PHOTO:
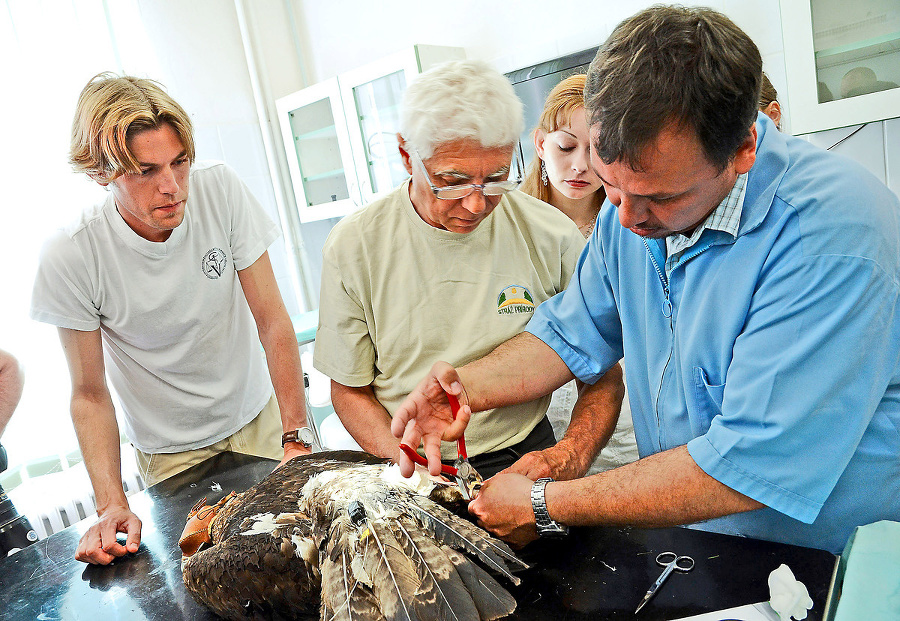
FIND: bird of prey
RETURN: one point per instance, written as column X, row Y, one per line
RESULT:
column 342, row 536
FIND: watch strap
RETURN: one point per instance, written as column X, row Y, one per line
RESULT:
column 301, row 435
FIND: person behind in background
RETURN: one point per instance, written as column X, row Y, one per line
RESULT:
column 15, row 531
column 757, row 313
column 768, row 101
column 452, row 262
column 11, row 383
column 562, row 174
column 170, row 294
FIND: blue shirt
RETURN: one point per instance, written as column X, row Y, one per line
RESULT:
column 773, row 355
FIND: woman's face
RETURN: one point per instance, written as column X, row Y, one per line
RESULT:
column 567, row 157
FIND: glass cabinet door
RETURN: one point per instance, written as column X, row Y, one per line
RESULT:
column 842, row 62
column 318, row 152
column 377, row 109
column 372, row 96
column 856, row 54
column 340, row 135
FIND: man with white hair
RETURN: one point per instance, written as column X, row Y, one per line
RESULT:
column 452, row 263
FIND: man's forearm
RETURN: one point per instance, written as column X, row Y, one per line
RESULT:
column 95, row 424
column 276, row 333
column 594, row 419
column 283, row 359
column 521, row 369
column 11, row 383
column 365, row 419
column 665, row 489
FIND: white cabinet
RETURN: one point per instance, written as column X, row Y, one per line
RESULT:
column 842, row 62
column 340, row 135
column 318, row 151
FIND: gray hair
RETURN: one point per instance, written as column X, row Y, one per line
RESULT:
column 458, row 100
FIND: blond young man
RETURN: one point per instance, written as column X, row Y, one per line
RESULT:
column 165, row 293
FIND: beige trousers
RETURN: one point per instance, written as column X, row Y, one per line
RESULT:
column 261, row 437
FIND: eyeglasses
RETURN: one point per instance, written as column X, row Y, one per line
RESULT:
column 492, row 188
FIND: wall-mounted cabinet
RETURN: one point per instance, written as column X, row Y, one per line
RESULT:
column 340, row 135
column 318, row 151
column 842, row 62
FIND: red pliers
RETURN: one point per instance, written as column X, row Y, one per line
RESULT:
column 461, row 471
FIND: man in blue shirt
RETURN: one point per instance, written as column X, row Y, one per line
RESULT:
column 750, row 280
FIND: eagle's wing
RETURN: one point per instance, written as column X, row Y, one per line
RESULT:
column 331, row 534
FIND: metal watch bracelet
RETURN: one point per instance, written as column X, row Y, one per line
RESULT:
column 546, row 526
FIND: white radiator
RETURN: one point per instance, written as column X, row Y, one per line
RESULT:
column 55, row 501
column 50, row 518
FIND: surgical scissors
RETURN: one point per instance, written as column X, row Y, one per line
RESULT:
column 671, row 562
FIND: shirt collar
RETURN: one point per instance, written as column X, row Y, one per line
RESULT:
column 725, row 217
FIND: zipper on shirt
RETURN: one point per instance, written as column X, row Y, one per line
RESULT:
column 667, row 312
column 667, row 305
column 692, row 252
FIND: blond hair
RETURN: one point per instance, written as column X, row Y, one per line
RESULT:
column 112, row 109
column 561, row 103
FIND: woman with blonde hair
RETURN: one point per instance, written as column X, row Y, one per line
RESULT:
column 768, row 101
column 561, row 174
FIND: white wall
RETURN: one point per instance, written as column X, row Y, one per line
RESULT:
column 341, row 35
column 337, row 36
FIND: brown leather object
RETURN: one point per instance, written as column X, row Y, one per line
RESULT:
column 196, row 530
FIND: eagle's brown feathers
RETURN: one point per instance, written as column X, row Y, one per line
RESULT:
column 332, row 535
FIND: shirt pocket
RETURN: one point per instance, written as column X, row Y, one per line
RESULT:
column 706, row 400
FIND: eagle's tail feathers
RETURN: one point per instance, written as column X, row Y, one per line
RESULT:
column 457, row 533
column 491, row 599
column 393, row 576
column 442, row 594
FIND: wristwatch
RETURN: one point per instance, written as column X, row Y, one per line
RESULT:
column 546, row 526
column 301, row 435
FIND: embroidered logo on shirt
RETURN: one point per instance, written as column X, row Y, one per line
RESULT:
column 214, row 263
column 515, row 299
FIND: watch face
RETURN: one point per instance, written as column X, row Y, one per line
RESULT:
column 305, row 435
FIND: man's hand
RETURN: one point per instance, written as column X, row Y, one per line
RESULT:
column 99, row 546
column 503, row 506
column 292, row 450
column 425, row 416
column 556, row 462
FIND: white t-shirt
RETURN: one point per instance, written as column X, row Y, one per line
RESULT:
column 399, row 294
column 180, row 344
